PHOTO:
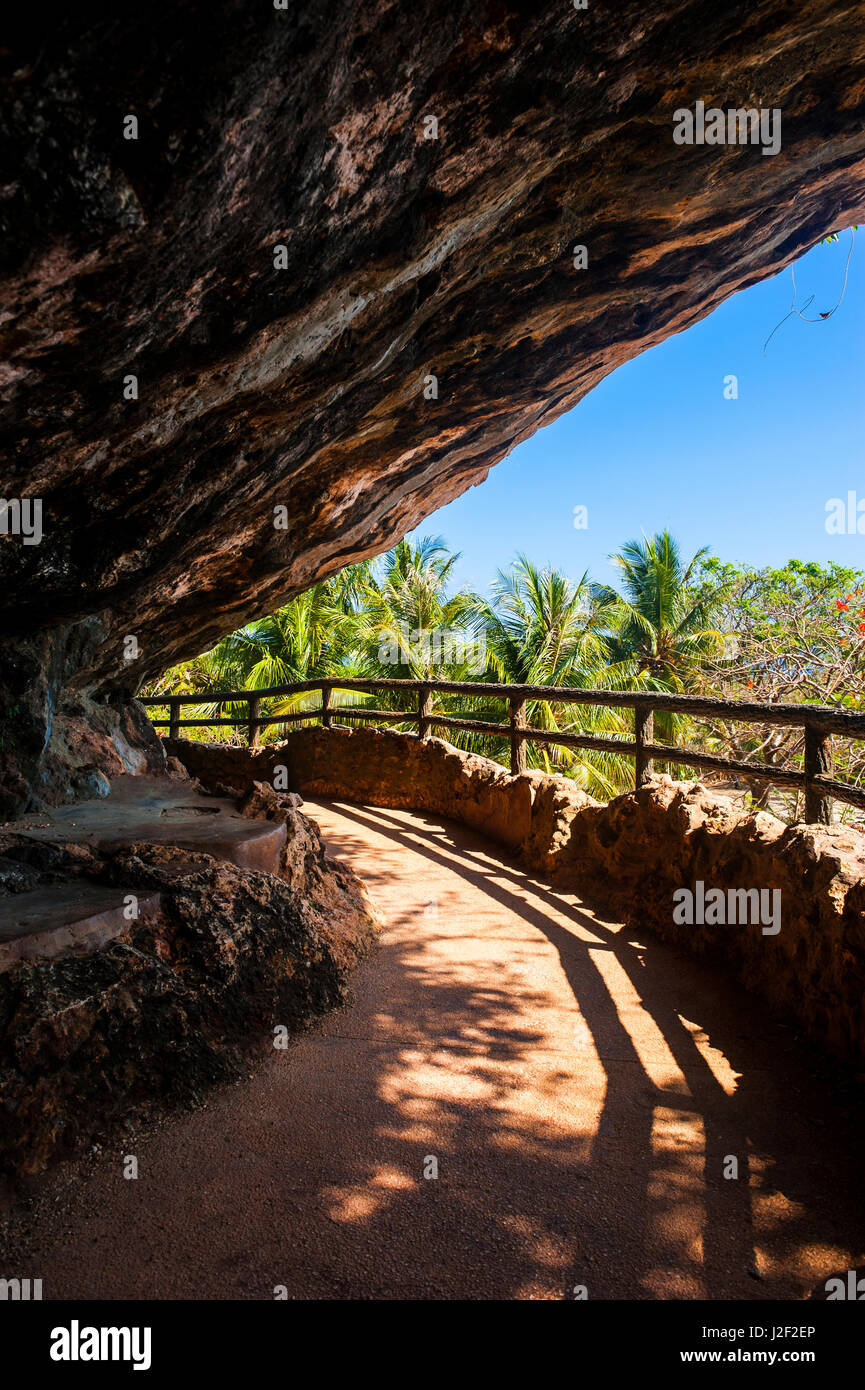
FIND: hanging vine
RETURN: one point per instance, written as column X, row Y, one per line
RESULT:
column 827, row 314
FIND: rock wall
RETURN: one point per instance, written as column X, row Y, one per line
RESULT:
column 234, row 307
column 95, row 1039
column 380, row 769
column 57, row 743
column 630, row 855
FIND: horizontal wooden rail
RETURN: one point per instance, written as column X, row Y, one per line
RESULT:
column 374, row 716
column 308, row 714
column 847, row 723
column 819, row 723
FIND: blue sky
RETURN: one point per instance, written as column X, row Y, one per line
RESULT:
column 656, row 444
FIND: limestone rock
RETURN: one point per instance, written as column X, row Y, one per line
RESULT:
column 134, row 1020
column 303, row 138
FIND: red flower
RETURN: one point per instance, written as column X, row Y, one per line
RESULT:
column 862, row 627
column 841, row 605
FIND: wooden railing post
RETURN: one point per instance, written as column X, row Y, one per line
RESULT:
column 818, row 763
column 644, row 725
column 174, row 719
column 425, row 709
column 518, row 743
column 326, row 713
column 253, row 733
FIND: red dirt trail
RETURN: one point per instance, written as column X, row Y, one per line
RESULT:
column 580, row 1086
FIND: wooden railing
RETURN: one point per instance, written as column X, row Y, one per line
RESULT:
column 819, row 722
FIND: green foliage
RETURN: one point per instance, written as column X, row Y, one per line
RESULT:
column 800, row 630
column 660, row 626
column 799, row 638
column 833, row 236
column 540, row 628
column 794, row 633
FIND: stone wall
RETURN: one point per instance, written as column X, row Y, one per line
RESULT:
column 379, row 768
column 630, row 856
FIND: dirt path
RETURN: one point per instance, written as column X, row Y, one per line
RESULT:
column 579, row 1086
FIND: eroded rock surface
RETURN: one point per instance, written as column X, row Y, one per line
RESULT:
column 105, row 1020
column 303, row 387
column 631, row 855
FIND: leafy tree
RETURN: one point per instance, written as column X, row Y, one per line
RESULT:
column 799, row 638
column 795, row 634
column 312, row 636
column 404, row 604
column 661, row 629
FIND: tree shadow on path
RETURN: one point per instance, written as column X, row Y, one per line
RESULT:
column 749, row 1093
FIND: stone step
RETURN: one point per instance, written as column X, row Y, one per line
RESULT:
column 53, row 921
column 155, row 810
column 138, row 810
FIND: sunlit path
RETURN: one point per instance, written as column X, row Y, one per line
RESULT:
column 579, row 1088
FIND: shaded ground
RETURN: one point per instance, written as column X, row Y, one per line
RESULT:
column 580, row 1087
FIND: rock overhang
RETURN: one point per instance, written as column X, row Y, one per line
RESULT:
column 404, row 257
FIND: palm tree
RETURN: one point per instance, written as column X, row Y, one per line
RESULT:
column 383, row 618
column 661, row 629
column 312, row 636
column 661, row 625
column 348, row 587
column 407, row 609
column 542, row 628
